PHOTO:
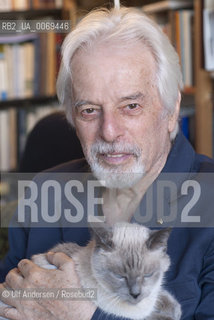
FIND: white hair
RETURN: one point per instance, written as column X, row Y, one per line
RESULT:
column 124, row 25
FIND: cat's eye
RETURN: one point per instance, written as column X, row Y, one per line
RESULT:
column 148, row 275
column 117, row 276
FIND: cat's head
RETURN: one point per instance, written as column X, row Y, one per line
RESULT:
column 129, row 260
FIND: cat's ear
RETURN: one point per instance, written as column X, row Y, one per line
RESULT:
column 102, row 235
column 158, row 239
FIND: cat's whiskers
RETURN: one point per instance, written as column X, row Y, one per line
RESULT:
column 126, row 264
column 110, row 300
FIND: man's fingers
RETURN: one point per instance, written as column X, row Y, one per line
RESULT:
column 14, row 279
column 27, row 267
column 59, row 259
column 6, row 299
column 12, row 313
column 9, row 313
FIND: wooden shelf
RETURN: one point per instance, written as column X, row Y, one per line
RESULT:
column 27, row 102
column 30, row 14
column 189, row 90
column 166, row 5
column 203, row 95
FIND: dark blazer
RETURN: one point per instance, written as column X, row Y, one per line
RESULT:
column 191, row 246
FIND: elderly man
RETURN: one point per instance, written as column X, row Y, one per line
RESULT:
column 120, row 82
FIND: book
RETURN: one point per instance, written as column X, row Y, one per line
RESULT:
column 5, row 141
column 58, row 4
column 167, row 5
column 42, row 64
column 44, row 4
column 29, row 65
column 15, row 66
column 9, row 56
column 208, row 35
column 29, row 69
column 51, row 64
column 12, row 139
column 178, row 25
column 20, row 70
column 22, row 132
column 20, row 5
column 3, row 75
column 17, row 38
column 5, row 5
column 184, row 44
column 188, row 46
column 37, row 65
column 59, row 39
column 177, row 34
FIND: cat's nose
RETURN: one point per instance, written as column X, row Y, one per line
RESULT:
column 135, row 295
column 135, row 291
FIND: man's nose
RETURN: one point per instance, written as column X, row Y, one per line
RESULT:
column 111, row 127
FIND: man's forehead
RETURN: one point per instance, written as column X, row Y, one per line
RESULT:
column 112, row 50
column 108, row 74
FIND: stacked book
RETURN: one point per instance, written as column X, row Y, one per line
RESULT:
column 28, row 65
column 16, row 5
column 176, row 19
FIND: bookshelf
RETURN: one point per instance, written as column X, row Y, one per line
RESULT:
column 204, row 98
column 27, row 102
column 166, row 13
column 31, row 94
column 176, row 20
column 30, row 13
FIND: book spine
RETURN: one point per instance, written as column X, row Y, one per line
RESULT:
column 188, row 52
column 3, row 74
column 4, row 140
column 181, row 24
column 13, row 138
column 5, row 5
column 22, row 131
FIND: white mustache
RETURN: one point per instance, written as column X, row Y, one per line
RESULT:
column 115, row 147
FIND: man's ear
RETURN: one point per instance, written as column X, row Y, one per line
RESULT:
column 173, row 118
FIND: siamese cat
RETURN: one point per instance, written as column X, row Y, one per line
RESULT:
column 126, row 263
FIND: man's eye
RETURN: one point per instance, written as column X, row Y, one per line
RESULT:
column 132, row 106
column 88, row 111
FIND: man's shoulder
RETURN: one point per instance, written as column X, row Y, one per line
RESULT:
column 79, row 165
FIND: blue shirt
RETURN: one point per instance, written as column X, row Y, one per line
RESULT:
column 191, row 275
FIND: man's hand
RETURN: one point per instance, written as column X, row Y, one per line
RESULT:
column 32, row 277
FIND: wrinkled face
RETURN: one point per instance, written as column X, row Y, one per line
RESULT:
column 121, row 124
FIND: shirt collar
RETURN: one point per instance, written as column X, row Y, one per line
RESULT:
column 181, row 156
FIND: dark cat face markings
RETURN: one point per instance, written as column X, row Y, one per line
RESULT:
column 126, row 264
column 131, row 262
